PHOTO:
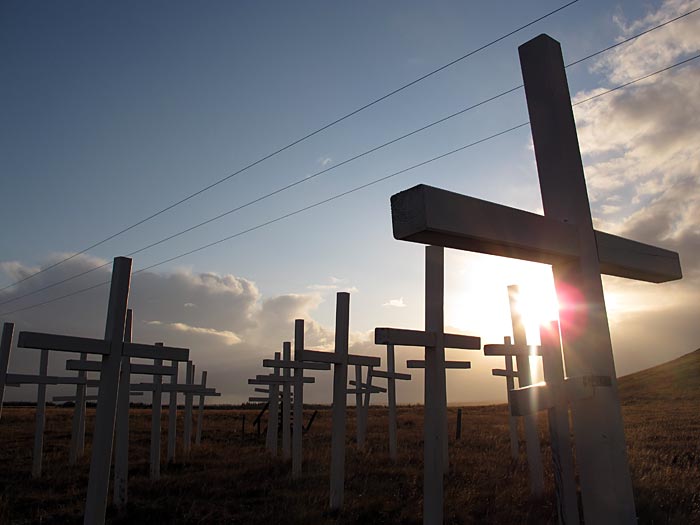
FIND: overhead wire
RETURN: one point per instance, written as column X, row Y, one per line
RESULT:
column 352, row 190
column 326, row 170
column 293, row 143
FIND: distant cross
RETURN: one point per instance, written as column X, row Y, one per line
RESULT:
column 121, row 440
column 510, row 376
column 340, row 360
column 297, row 381
column 564, row 237
column 553, row 396
column 112, row 348
column 42, row 379
column 434, row 340
column 200, row 410
column 362, row 391
column 273, row 410
column 391, row 376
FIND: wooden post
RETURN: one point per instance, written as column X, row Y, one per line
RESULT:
column 512, row 420
column 459, row 424
column 340, row 380
column 298, row 399
column 40, row 421
column 77, row 444
column 121, row 440
column 5, row 350
column 558, row 417
column 273, row 412
column 156, row 408
column 391, row 386
column 200, row 412
column 98, row 482
column 532, row 439
column 187, row 434
column 172, row 417
column 286, row 404
column 434, row 464
column 359, row 427
column 366, row 403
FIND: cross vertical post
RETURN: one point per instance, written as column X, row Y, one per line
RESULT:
column 340, row 380
column 40, row 419
column 286, row 402
column 98, row 482
column 512, row 420
column 391, row 394
column 200, row 412
column 77, row 440
column 121, row 439
column 359, row 408
column 5, row 349
column 558, row 418
column 172, row 416
column 187, row 432
column 606, row 486
column 435, row 422
column 298, row 399
column 156, row 408
column 532, row 439
column 273, row 412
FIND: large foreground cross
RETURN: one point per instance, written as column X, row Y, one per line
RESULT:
column 564, row 237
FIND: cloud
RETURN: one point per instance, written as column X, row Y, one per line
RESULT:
column 395, row 303
column 231, row 329
column 643, row 174
column 324, row 161
column 229, row 337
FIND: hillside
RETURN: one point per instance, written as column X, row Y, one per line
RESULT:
column 676, row 380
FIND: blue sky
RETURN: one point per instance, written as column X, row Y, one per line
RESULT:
column 111, row 112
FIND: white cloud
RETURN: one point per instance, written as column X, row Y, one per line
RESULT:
column 395, row 303
column 324, row 161
column 229, row 337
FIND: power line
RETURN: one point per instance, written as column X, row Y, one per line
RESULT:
column 295, row 142
column 353, row 190
column 351, row 159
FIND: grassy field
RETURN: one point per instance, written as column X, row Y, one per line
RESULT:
column 230, row 478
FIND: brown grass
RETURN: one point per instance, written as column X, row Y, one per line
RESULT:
column 232, row 480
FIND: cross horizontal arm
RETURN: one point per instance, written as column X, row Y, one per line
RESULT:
column 541, row 396
column 364, row 387
column 504, row 373
column 144, row 351
column 430, row 215
column 388, row 375
column 62, row 343
column 363, row 360
column 179, row 388
column 152, row 370
column 268, row 380
column 134, row 368
column 281, row 363
column 254, row 399
column 31, row 379
column 262, row 390
column 419, row 363
column 512, row 350
column 402, row 337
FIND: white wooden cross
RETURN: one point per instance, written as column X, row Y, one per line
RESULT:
column 121, row 441
column 564, row 237
column 510, row 374
column 553, row 395
column 340, row 359
column 434, row 340
column 112, row 348
column 200, row 411
column 273, row 410
column 297, row 381
column 391, row 375
column 532, row 440
column 158, row 388
column 362, row 391
column 42, row 379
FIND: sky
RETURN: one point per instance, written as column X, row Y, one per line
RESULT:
column 112, row 112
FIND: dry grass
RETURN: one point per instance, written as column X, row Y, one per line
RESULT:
column 232, row 480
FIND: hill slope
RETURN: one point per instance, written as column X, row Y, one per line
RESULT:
column 676, row 380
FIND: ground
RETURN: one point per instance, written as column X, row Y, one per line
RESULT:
column 230, row 478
